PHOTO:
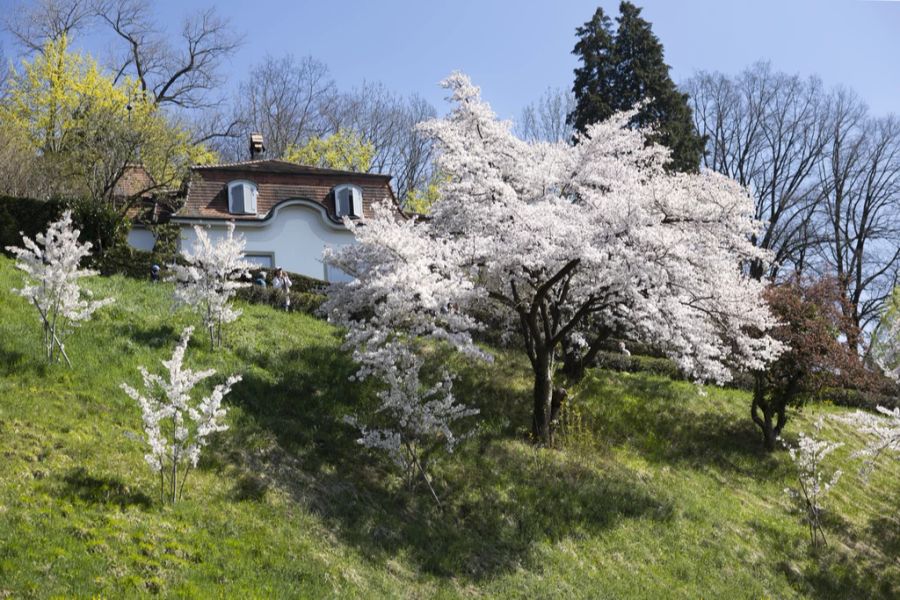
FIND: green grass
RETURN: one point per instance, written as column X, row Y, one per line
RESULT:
column 662, row 492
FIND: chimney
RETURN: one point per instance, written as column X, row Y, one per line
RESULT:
column 256, row 145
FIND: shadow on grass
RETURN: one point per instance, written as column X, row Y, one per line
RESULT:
column 656, row 416
column 871, row 570
column 499, row 500
column 79, row 484
column 13, row 362
column 841, row 575
column 885, row 530
column 157, row 336
column 250, row 488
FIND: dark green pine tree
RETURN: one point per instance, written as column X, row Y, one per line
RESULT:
column 595, row 79
column 619, row 70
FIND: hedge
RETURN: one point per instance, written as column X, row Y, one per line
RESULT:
column 99, row 224
column 122, row 259
column 301, row 301
column 306, row 293
column 26, row 216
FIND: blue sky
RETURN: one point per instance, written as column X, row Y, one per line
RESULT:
column 515, row 49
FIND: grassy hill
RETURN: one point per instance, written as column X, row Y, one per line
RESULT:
column 662, row 492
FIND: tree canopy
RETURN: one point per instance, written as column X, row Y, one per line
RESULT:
column 552, row 242
column 344, row 150
column 84, row 129
column 626, row 68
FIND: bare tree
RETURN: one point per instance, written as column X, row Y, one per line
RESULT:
column 4, row 72
column 182, row 76
column 546, row 118
column 288, row 100
column 414, row 169
column 20, row 174
column 767, row 130
column 36, row 23
column 860, row 189
column 185, row 75
column 388, row 121
column 218, row 129
column 825, row 176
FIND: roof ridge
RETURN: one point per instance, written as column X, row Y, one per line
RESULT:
column 237, row 163
column 308, row 169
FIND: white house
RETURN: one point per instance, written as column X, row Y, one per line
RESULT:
column 288, row 213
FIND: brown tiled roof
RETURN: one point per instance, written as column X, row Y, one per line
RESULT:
column 135, row 180
column 276, row 181
column 271, row 165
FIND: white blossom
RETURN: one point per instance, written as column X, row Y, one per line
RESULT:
column 807, row 457
column 883, row 431
column 52, row 264
column 413, row 419
column 211, row 278
column 886, row 349
column 557, row 243
column 176, row 428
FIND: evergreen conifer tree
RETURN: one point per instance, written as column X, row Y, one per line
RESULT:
column 619, row 69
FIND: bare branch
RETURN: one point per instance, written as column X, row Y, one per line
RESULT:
column 34, row 24
column 545, row 119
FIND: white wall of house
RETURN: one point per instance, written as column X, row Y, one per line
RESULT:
column 141, row 238
column 295, row 237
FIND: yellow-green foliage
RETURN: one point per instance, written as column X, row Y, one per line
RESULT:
column 419, row 200
column 62, row 105
column 344, row 150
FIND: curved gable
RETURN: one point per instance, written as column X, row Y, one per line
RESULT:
column 207, row 194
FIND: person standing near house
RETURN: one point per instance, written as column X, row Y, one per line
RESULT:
column 282, row 284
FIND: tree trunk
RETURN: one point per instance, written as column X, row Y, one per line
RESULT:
column 556, row 405
column 543, row 398
column 770, row 414
column 576, row 361
column 781, row 414
column 769, row 435
column 757, row 269
column 761, row 412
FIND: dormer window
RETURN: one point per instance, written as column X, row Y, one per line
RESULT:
column 242, row 197
column 348, row 201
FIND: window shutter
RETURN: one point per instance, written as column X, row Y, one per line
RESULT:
column 242, row 198
column 357, row 202
column 251, row 193
column 237, row 199
column 341, row 201
column 348, row 201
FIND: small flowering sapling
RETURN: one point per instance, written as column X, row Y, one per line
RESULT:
column 807, row 456
column 884, row 432
column 176, row 426
column 211, row 279
column 51, row 262
column 413, row 419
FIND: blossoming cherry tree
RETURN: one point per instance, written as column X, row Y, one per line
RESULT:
column 561, row 246
column 52, row 264
column 808, row 456
column 211, row 278
column 177, row 427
